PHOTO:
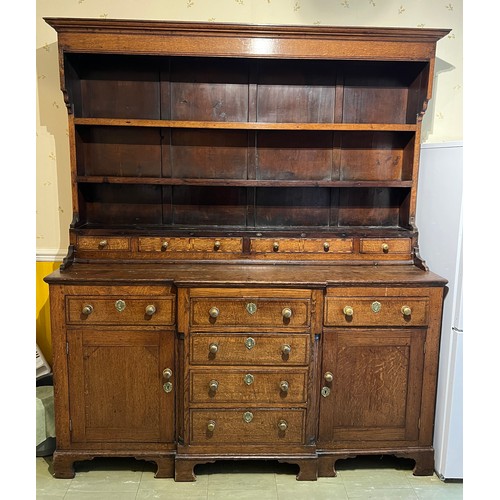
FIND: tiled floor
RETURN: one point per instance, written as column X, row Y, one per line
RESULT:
column 127, row 479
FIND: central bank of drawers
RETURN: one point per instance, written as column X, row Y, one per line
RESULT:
column 248, row 371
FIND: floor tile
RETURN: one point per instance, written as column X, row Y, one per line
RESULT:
column 381, row 493
column 312, row 490
column 114, row 475
column 99, row 495
column 241, row 481
column 244, row 494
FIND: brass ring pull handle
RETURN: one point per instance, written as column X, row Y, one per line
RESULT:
column 348, row 311
column 286, row 349
column 214, row 312
column 213, row 385
column 282, row 425
column 385, row 247
column 326, row 246
column 276, row 246
column 167, row 373
column 248, row 379
column 216, row 245
column 213, row 348
column 211, row 426
column 328, row 376
column 287, row 313
column 284, row 386
column 87, row 309
column 103, row 243
column 406, row 311
column 164, row 245
column 150, row 310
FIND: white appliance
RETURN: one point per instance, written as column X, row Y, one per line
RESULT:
column 439, row 221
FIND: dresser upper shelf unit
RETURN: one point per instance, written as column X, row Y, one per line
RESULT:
column 189, row 129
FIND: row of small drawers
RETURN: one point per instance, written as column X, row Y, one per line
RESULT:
column 377, row 246
column 247, row 313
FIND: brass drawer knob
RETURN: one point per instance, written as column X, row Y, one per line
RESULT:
column 284, row 386
column 211, row 426
column 249, row 379
column 282, row 425
column 286, row 349
column 216, row 245
column 103, row 243
column 385, row 247
column 213, row 348
column 348, row 311
column 276, row 246
column 214, row 312
column 406, row 311
column 167, row 373
column 287, row 313
column 150, row 310
column 87, row 309
column 328, row 376
column 326, row 246
column 164, row 245
column 213, row 385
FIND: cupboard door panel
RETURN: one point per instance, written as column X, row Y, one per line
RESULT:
column 116, row 386
column 376, row 387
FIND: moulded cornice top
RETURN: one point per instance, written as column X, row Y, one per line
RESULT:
column 365, row 33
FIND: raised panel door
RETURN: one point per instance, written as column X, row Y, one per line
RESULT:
column 375, row 387
column 116, row 384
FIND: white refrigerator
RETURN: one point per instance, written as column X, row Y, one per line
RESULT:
column 439, row 221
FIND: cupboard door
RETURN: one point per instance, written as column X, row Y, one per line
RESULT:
column 116, row 385
column 375, row 387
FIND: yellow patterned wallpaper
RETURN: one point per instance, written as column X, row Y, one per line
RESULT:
column 442, row 122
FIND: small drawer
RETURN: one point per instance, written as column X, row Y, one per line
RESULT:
column 250, row 312
column 327, row 246
column 263, row 349
column 218, row 245
column 250, row 426
column 167, row 245
column 376, row 311
column 277, row 245
column 250, row 386
column 385, row 246
column 103, row 244
column 125, row 310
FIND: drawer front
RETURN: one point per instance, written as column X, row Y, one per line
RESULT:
column 386, row 246
column 169, row 245
column 328, row 246
column 278, row 245
column 251, row 312
column 250, row 426
column 262, row 349
column 130, row 310
column 103, row 244
column 251, row 386
column 376, row 311
column 166, row 245
column 295, row 245
column 219, row 245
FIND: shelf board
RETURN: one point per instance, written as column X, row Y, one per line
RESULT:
column 242, row 182
column 121, row 122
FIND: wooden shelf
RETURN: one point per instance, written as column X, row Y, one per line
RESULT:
column 117, row 122
column 241, row 182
